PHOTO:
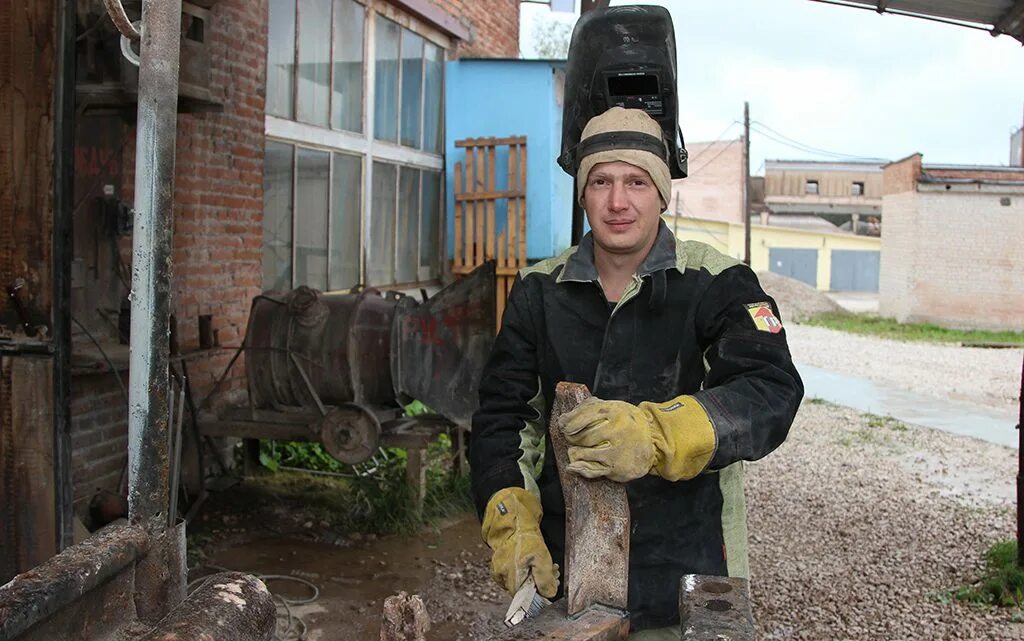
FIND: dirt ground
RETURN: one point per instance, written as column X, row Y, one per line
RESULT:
column 336, row 582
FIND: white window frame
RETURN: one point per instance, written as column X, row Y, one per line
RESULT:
column 364, row 144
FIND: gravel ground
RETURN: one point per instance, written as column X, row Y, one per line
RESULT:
column 859, row 529
column 988, row 377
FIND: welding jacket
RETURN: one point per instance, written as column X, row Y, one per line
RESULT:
column 692, row 321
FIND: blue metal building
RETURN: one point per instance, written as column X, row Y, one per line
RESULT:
column 501, row 98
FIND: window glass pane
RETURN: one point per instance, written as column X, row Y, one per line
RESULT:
column 412, row 87
column 385, row 99
column 277, row 216
column 347, row 102
column 311, row 218
column 281, row 58
column 347, row 196
column 432, row 95
column 380, row 263
column 430, row 225
column 314, row 61
column 408, row 224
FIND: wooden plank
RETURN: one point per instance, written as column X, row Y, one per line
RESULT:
column 478, row 208
column 457, row 260
column 485, row 142
column 490, row 187
column 489, row 195
column 471, row 213
column 522, row 210
column 510, row 232
column 596, row 522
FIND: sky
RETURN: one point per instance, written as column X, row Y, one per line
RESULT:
column 840, row 80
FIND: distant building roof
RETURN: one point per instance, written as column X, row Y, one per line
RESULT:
column 869, row 166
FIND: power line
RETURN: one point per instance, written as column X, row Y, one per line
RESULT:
column 786, row 141
column 713, row 158
column 711, row 144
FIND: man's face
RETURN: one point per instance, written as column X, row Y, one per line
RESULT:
column 623, row 208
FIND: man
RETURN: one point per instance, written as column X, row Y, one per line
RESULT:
column 689, row 368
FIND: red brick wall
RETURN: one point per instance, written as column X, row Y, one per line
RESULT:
column 218, row 235
column 493, row 27
column 901, row 175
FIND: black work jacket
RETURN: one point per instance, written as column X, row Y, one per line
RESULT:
column 692, row 321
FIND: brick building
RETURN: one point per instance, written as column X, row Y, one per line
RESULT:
column 951, row 247
column 309, row 152
column 713, row 190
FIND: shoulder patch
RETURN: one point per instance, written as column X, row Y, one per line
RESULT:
column 763, row 317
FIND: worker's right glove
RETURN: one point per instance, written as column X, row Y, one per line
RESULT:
column 674, row 440
column 512, row 530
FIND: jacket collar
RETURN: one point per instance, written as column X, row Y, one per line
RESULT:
column 580, row 268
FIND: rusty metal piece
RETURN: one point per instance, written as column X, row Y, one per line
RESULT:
column 121, row 21
column 33, row 596
column 596, row 522
column 350, row 433
column 595, row 623
column 715, row 608
column 439, row 347
column 405, row 618
column 229, row 606
column 160, row 575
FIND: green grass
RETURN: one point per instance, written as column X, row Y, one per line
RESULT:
column 889, row 328
column 1002, row 584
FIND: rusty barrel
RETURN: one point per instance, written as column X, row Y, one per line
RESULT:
column 339, row 343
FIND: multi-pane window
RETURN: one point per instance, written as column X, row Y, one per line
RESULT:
column 307, row 82
column 352, row 179
column 321, row 214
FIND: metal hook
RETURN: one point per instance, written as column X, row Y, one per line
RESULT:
column 126, row 47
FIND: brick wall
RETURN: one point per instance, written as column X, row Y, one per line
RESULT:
column 901, row 176
column 953, row 258
column 493, row 27
column 217, row 244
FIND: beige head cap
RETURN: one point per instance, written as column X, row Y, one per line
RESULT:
column 626, row 135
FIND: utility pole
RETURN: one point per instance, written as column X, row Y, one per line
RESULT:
column 746, row 183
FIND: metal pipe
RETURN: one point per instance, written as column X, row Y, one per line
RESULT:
column 38, row 594
column 63, row 204
column 1020, row 470
column 148, row 498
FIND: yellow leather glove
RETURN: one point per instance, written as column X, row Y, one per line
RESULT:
column 512, row 530
column 674, row 440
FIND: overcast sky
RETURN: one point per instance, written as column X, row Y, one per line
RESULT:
column 838, row 79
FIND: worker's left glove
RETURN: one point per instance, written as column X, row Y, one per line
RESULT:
column 674, row 440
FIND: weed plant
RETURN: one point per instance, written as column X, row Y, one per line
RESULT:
column 1002, row 584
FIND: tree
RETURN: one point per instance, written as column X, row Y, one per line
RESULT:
column 551, row 39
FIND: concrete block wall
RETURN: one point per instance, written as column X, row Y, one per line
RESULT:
column 714, row 188
column 954, row 258
column 898, row 255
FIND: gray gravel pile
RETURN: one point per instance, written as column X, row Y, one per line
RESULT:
column 860, row 527
column 797, row 301
column 983, row 376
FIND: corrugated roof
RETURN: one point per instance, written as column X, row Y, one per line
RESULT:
column 997, row 16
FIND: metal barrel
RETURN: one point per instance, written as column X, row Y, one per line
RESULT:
column 339, row 343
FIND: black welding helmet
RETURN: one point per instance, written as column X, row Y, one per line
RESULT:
column 625, row 57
